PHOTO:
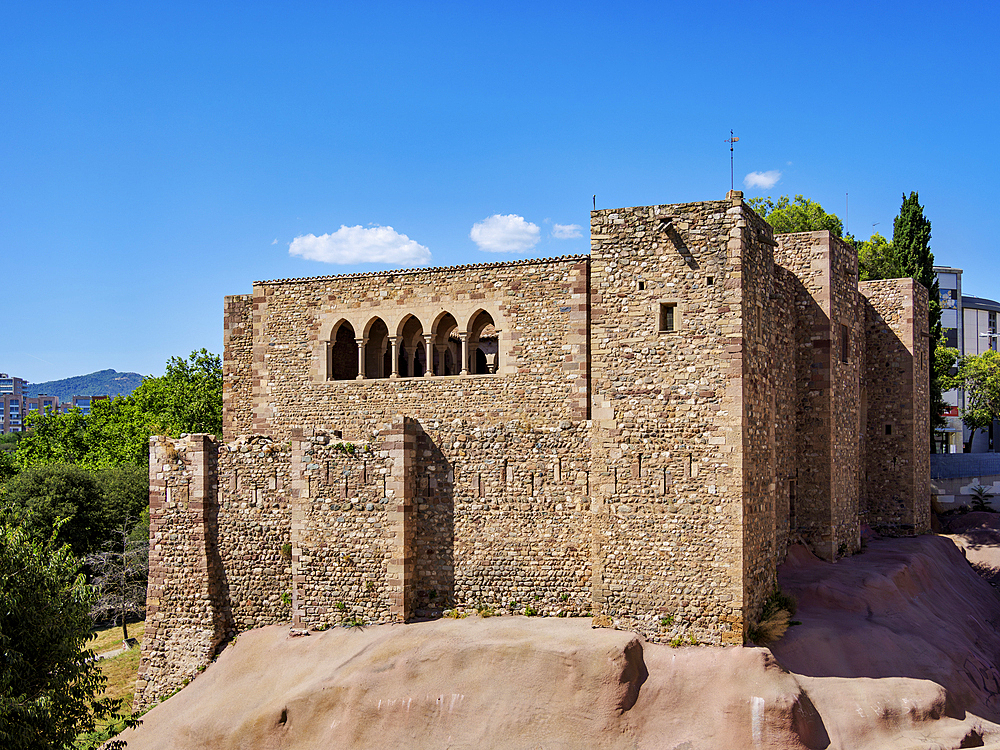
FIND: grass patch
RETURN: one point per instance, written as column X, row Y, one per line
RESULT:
column 108, row 639
column 121, row 672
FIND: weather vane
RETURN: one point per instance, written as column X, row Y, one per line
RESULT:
column 731, row 140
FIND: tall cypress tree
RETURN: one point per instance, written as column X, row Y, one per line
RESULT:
column 911, row 244
column 911, row 241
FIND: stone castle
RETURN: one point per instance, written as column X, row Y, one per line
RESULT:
column 638, row 433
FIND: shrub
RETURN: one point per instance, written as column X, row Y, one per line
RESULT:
column 981, row 497
column 774, row 620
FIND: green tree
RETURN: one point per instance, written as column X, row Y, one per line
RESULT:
column 911, row 246
column 876, row 259
column 979, row 376
column 49, row 681
column 53, row 438
column 911, row 238
column 124, row 490
column 188, row 398
column 8, row 466
column 60, row 499
column 797, row 215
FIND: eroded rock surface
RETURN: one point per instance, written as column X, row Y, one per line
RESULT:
column 897, row 649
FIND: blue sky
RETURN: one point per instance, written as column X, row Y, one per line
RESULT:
column 156, row 157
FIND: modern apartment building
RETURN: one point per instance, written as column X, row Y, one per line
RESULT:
column 969, row 325
column 12, row 407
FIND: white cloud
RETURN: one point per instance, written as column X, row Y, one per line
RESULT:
column 275, row 241
column 566, row 231
column 505, row 234
column 360, row 245
column 765, row 180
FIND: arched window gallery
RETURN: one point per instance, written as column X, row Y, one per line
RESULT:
column 372, row 350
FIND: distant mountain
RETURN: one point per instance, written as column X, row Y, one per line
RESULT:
column 101, row 383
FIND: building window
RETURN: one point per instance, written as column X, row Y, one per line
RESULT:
column 992, row 329
column 845, row 343
column 888, row 429
column 668, row 317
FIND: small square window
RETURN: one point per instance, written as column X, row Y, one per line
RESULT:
column 642, row 285
column 710, row 280
column 668, row 317
column 888, row 429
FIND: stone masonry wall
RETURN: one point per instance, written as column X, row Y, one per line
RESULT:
column 784, row 363
column 847, row 338
column 808, row 256
column 237, row 383
column 341, row 537
column 500, row 472
column 254, row 527
column 761, row 365
column 897, row 383
column 185, row 612
column 666, row 460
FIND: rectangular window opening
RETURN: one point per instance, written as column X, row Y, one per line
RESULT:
column 642, row 285
column 710, row 280
column 888, row 429
column 668, row 317
column 845, row 343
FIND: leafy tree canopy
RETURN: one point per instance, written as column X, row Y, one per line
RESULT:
column 797, row 215
column 979, row 375
column 60, row 499
column 187, row 398
column 877, row 259
column 49, row 682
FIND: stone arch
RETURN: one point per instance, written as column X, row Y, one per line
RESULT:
column 412, row 348
column 378, row 352
column 484, row 343
column 342, row 357
column 446, row 350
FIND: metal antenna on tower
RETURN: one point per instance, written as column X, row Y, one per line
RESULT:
column 731, row 140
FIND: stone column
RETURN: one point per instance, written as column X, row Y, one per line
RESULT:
column 441, row 349
column 327, row 369
column 394, row 343
column 361, row 358
column 464, row 336
column 429, row 349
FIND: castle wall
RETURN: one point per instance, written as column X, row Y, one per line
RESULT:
column 824, row 275
column 340, row 533
column 185, row 612
column 498, row 458
column 255, row 477
column 897, row 385
column 847, row 337
column 638, row 434
column 237, row 356
column 666, row 462
column 760, row 364
column 784, row 373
